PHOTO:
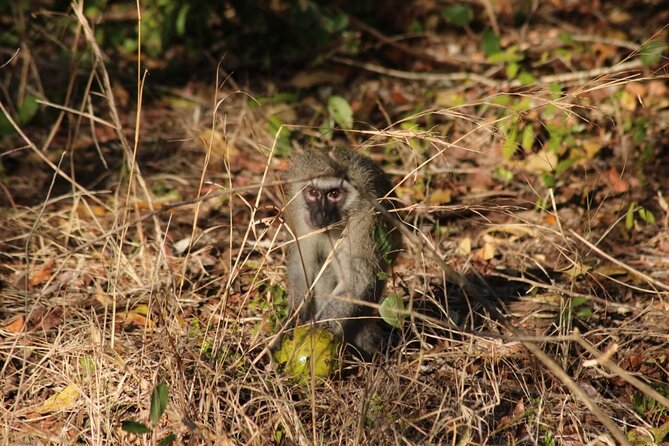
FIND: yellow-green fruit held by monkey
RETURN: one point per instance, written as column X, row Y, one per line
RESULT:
column 305, row 347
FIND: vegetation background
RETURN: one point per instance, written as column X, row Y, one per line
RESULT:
column 142, row 152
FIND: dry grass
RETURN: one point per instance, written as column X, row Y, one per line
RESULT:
column 118, row 288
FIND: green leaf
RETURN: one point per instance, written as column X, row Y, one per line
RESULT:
column 555, row 90
column 134, row 427
column 334, row 24
column 503, row 174
column 490, row 43
column 541, row 204
column 660, row 433
column 458, row 15
column 277, row 98
column 383, row 241
column 629, row 218
column 305, row 348
column 512, row 70
column 382, row 275
column 565, row 164
column 167, row 440
column 584, row 313
column 527, row 140
column 578, row 301
column 87, row 363
column 652, row 51
column 282, row 134
column 6, row 127
column 511, row 143
column 526, row 78
column 340, row 110
column 647, row 216
column 548, row 180
column 159, row 399
column 509, row 55
column 522, row 105
column 566, row 38
column 28, row 109
column 391, row 309
column 180, row 23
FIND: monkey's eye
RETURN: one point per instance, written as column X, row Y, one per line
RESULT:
column 313, row 193
column 334, row 194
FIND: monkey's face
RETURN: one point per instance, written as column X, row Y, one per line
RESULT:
column 327, row 200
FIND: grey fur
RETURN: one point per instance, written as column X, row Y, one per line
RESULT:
column 328, row 267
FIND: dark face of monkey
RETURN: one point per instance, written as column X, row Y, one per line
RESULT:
column 325, row 200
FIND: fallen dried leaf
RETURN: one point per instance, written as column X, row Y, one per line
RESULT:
column 60, row 401
column 617, row 183
column 132, row 320
column 575, row 270
column 16, row 325
column 487, row 252
column 464, row 247
column 43, row 274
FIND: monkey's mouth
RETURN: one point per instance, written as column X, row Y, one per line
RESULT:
column 322, row 222
column 320, row 225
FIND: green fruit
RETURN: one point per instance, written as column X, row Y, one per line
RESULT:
column 308, row 347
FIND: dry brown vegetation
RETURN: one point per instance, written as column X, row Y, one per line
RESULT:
column 148, row 248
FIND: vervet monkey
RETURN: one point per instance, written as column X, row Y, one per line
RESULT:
column 343, row 246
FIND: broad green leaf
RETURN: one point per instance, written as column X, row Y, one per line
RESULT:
column 510, row 55
column 159, row 399
column 501, row 99
column 526, row 78
column 391, row 310
column 565, row 164
column 305, row 348
column 134, row 427
column 652, row 51
column 458, row 15
column 490, row 43
column 167, row 441
column 28, row 109
column 340, row 111
column 548, row 180
column 527, row 140
column 512, row 70
column 578, row 301
column 584, row 313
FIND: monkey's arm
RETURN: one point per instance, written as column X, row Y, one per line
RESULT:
column 355, row 266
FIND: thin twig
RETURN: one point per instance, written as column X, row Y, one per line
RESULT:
column 619, row 371
column 623, row 265
column 440, row 78
column 447, row 78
